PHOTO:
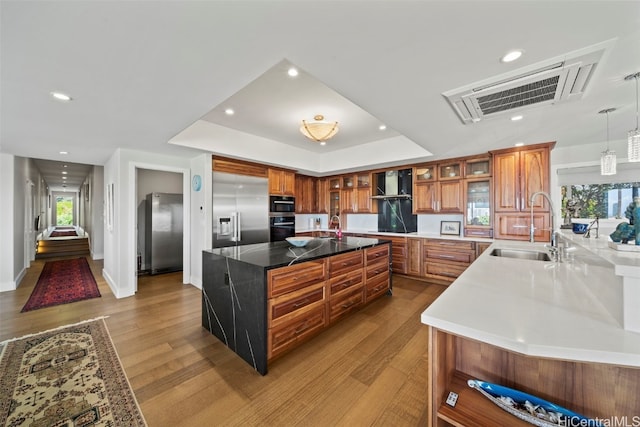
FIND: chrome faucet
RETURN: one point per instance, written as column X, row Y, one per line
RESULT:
column 595, row 222
column 553, row 240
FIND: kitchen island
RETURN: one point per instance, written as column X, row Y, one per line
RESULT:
column 551, row 329
column 263, row 300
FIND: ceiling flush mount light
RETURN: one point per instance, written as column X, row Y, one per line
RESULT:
column 60, row 96
column 516, row 118
column 229, row 112
column 292, row 72
column 64, row 152
column 519, row 144
column 319, row 130
column 511, row 56
column 608, row 157
column 633, row 137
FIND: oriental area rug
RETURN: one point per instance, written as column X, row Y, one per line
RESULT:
column 69, row 376
column 63, row 282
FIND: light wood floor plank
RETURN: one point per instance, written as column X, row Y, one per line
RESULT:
column 368, row 369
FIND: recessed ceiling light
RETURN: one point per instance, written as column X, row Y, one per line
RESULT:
column 229, row 112
column 64, row 152
column 511, row 56
column 64, row 166
column 64, row 172
column 292, row 72
column 519, row 144
column 61, row 96
column 516, row 118
column 323, row 142
column 64, row 177
column 382, row 127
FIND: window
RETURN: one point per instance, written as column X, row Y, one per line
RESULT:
column 613, row 201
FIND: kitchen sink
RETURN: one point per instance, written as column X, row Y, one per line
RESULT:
column 521, row 254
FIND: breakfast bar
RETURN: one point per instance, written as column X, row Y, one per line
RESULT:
column 263, row 300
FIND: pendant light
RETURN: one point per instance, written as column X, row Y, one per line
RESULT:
column 633, row 136
column 608, row 157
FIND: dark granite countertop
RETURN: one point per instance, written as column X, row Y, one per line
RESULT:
column 280, row 254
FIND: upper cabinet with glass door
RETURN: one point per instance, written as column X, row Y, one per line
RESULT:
column 478, row 167
column 447, row 171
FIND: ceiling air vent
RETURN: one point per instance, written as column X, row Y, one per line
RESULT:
column 560, row 79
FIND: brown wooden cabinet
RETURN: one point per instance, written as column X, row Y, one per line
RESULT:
column 437, row 188
column 306, row 194
column 356, row 192
column 303, row 299
column 517, row 175
column 415, row 257
column 377, row 275
column 322, row 195
column 446, row 259
column 281, row 182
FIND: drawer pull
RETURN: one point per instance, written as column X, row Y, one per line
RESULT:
column 346, row 284
column 377, row 288
column 445, row 256
column 301, row 328
column 348, row 304
column 301, row 303
column 446, row 273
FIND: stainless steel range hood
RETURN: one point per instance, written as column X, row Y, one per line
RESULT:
column 391, row 187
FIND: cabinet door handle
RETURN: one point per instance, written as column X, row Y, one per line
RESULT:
column 301, row 303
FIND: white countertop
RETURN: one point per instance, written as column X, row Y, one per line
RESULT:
column 570, row 310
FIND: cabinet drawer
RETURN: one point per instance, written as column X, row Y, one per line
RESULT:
column 380, row 267
column 279, row 307
column 399, row 266
column 287, row 335
column 288, row 279
column 344, row 263
column 450, row 244
column 377, row 287
column 345, row 281
column 451, row 271
column 439, row 254
column 376, row 253
column 346, row 303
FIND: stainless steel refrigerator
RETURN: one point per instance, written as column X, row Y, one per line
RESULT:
column 163, row 232
column 240, row 210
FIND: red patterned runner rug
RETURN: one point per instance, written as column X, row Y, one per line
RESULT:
column 63, row 233
column 62, row 282
column 69, row 376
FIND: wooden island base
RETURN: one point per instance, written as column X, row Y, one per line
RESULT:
column 596, row 390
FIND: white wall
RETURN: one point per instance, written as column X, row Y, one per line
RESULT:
column 19, row 180
column 97, row 213
column 120, row 266
column 201, row 221
column 93, row 210
column 7, row 275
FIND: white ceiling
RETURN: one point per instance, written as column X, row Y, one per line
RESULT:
column 144, row 73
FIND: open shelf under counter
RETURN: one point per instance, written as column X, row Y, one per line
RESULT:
column 595, row 390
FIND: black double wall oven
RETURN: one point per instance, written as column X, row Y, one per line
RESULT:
column 282, row 218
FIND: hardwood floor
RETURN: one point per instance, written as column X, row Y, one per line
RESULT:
column 369, row 369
